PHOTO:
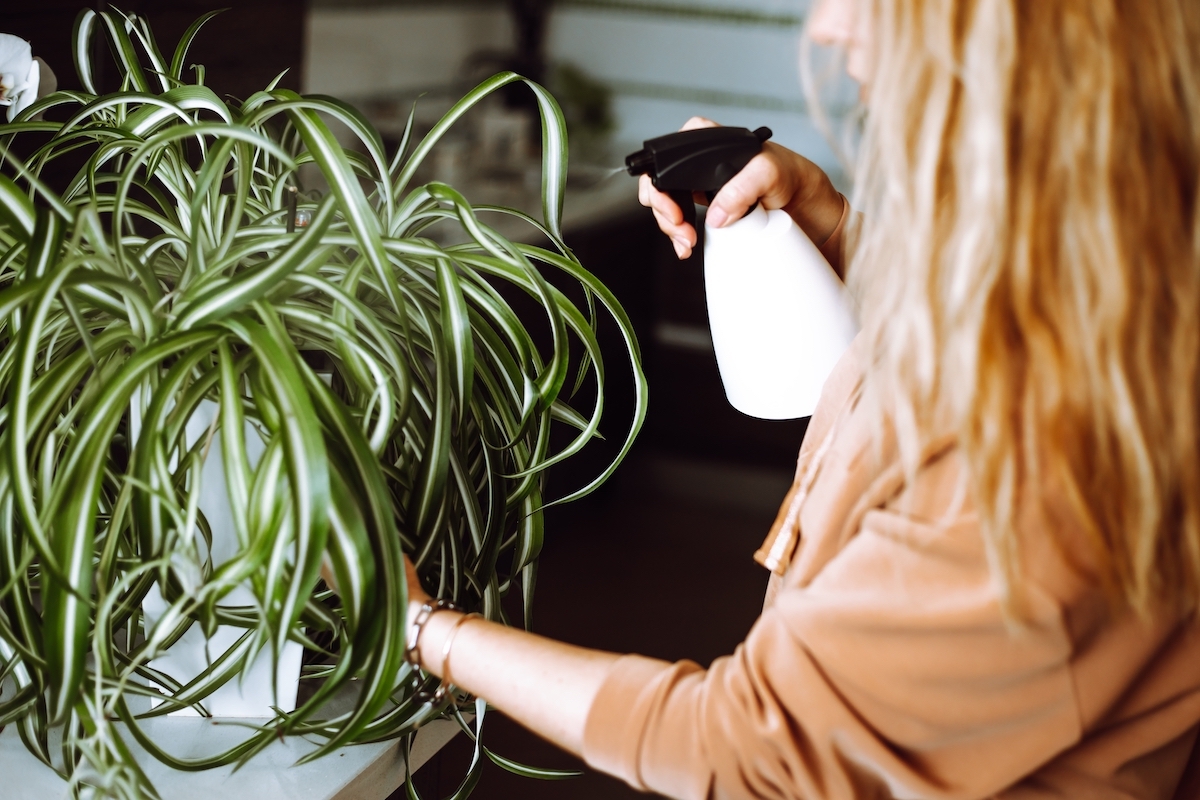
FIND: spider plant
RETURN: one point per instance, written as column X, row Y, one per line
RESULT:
column 400, row 401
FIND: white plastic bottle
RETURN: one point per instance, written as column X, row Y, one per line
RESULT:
column 780, row 317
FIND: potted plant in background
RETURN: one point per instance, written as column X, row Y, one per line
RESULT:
column 585, row 100
column 360, row 389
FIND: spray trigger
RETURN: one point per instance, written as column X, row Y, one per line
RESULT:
column 700, row 160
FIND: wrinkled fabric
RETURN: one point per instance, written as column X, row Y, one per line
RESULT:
column 884, row 665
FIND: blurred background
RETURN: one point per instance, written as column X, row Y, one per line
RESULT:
column 659, row 560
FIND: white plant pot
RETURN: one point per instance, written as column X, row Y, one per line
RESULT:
column 255, row 692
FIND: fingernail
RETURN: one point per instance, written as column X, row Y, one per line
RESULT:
column 680, row 248
column 716, row 217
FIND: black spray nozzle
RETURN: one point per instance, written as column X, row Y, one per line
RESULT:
column 701, row 160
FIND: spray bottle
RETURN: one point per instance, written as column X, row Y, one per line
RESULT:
column 780, row 317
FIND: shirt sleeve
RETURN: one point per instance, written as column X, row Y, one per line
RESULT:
column 893, row 674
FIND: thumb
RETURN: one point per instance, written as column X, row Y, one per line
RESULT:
column 733, row 201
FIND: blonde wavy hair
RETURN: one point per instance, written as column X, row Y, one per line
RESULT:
column 1029, row 268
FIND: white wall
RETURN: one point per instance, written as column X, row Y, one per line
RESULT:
column 368, row 51
column 734, row 61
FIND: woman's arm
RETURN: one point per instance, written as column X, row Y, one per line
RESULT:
column 545, row 685
column 891, row 671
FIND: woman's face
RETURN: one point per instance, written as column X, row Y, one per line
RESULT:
column 836, row 23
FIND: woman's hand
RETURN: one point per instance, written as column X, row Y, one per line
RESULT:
column 776, row 177
column 417, row 596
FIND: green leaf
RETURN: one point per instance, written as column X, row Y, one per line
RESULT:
column 185, row 42
column 252, row 284
column 536, row 773
column 81, row 38
column 67, row 607
column 335, row 167
column 16, row 209
column 307, row 465
column 456, row 334
column 174, row 104
column 118, row 32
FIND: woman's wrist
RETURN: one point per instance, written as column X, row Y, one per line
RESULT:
column 818, row 207
column 834, row 236
column 420, row 611
column 431, row 626
column 433, row 638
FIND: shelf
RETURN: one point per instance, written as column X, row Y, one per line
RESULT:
column 358, row 772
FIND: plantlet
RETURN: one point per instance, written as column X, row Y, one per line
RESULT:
column 398, row 400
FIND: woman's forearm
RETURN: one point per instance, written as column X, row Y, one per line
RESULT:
column 545, row 685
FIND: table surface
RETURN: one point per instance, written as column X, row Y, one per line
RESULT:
column 358, row 772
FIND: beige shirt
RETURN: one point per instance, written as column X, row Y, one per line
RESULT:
column 885, row 668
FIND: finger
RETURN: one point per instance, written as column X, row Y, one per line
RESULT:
column 659, row 201
column 675, row 228
column 666, row 208
column 682, row 235
column 415, row 590
column 698, row 122
column 758, row 180
column 669, row 217
column 683, row 247
column 645, row 187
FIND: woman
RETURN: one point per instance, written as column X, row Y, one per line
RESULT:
column 985, row 579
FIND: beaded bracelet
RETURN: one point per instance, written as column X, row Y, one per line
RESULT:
column 412, row 650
